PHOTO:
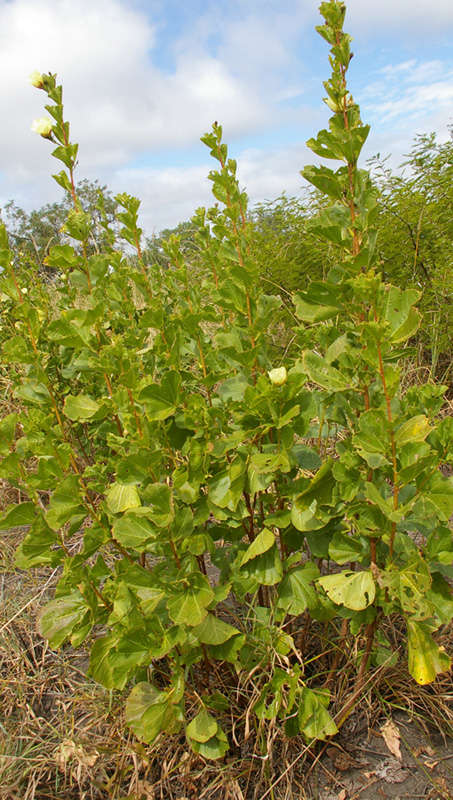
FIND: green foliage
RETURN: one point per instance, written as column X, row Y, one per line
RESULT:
column 414, row 245
column 161, row 438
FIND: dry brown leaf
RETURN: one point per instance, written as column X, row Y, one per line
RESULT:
column 425, row 749
column 391, row 737
column 343, row 795
column 431, row 764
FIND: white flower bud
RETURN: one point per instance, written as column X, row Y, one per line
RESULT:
column 278, row 376
column 36, row 79
column 43, row 126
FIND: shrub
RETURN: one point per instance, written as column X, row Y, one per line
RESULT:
column 207, row 502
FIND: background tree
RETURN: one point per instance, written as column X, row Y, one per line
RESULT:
column 415, row 226
column 34, row 233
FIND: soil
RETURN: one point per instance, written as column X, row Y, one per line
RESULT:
column 358, row 764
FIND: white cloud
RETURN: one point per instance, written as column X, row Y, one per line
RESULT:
column 410, row 16
column 118, row 101
column 167, row 195
column 411, row 92
column 172, row 194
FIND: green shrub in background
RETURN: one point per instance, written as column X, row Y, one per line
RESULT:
column 206, row 501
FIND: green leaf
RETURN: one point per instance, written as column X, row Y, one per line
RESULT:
column 311, row 508
column 120, row 497
column 384, row 504
column 33, row 392
column 296, row 592
column 262, row 542
column 157, row 500
column 308, row 517
column 325, row 180
column 59, row 617
column 323, row 374
column 425, row 658
column 439, row 495
column 78, row 223
column 189, row 600
column 402, row 318
column 229, row 650
column 214, row 631
column 161, row 400
column 219, row 489
column 149, row 711
column 217, row 701
column 314, row 720
column 37, row 547
column 355, row 590
column 202, row 727
column 373, row 441
column 306, row 457
column 80, row 407
column 114, row 658
column 134, row 530
column 439, row 548
column 65, row 504
column 101, row 668
column 344, row 548
column 318, row 303
column 440, row 596
column 271, row 698
column 214, row 748
column 17, row 515
column 266, row 568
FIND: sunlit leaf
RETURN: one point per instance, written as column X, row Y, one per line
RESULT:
column 355, row 590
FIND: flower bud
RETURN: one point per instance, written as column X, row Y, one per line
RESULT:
column 36, row 79
column 278, row 376
column 43, row 126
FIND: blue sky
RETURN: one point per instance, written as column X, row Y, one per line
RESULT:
column 144, row 79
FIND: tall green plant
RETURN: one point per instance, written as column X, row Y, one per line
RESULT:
column 169, row 460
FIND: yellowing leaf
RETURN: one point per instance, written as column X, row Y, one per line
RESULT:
column 355, row 590
column 426, row 659
column 415, row 429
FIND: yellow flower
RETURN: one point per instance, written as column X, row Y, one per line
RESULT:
column 43, row 126
column 278, row 376
column 36, row 79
